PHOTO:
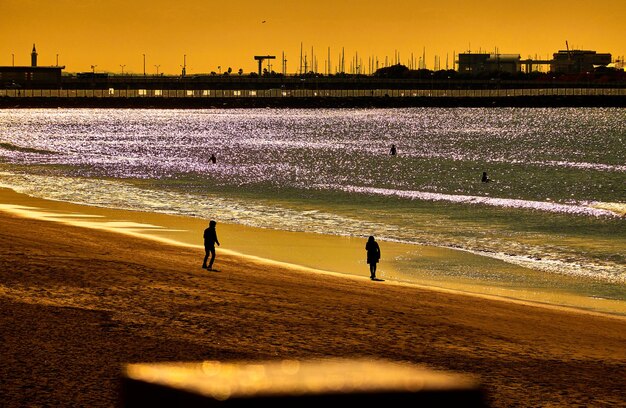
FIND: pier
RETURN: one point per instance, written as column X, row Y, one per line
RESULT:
column 311, row 98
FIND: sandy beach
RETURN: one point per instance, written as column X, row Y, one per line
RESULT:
column 78, row 303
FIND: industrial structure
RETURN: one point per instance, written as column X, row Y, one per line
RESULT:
column 262, row 58
column 476, row 63
column 470, row 66
column 578, row 61
column 563, row 62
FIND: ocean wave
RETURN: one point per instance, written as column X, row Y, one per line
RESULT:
column 607, row 273
column 564, row 163
column 617, row 208
column 586, row 166
column 15, row 148
column 593, row 209
column 541, row 163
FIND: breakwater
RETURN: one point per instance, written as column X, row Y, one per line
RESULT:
column 16, row 102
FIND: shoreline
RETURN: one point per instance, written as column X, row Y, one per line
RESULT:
column 76, row 304
column 323, row 254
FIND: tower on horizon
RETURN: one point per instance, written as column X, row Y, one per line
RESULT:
column 33, row 57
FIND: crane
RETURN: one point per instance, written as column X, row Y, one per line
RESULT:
column 262, row 58
column 569, row 58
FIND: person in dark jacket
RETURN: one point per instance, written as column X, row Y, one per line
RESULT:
column 373, row 255
column 210, row 239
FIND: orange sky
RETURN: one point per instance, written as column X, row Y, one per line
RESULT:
column 220, row 33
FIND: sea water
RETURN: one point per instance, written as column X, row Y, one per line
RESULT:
column 556, row 204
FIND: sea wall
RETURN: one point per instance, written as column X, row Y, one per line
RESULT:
column 313, row 102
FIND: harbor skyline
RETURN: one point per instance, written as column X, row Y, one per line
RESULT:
column 158, row 37
column 481, row 144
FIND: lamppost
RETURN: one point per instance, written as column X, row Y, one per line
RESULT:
column 13, row 59
column 157, row 69
column 144, row 64
column 122, row 66
column 57, row 60
column 93, row 69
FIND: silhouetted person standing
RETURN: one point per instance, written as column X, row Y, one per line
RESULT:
column 210, row 239
column 213, row 159
column 373, row 255
column 485, row 179
column 393, row 150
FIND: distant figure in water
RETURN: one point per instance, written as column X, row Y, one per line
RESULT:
column 485, row 179
column 373, row 255
column 393, row 150
column 213, row 159
column 210, row 239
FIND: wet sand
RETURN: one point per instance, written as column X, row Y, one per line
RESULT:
column 77, row 303
column 420, row 265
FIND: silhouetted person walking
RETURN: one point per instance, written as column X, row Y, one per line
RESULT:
column 213, row 159
column 393, row 150
column 210, row 239
column 485, row 179
column 373, row 255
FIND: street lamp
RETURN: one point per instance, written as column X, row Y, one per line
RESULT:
column 144, row 64
column 157, row 69
column 13, row 59
column 93, row 69
column 57, row 60
column 122, row 66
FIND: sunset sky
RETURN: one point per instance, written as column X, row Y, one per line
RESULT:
column 215, row 35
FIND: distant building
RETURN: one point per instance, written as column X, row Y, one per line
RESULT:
column 479, row 63
column 16, row 77
column 578, row 61
column 30, row 75
column 33, row 57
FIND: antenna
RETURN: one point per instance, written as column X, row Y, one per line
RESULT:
column 328, row 61
column 284, row 64
column 343, row 60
